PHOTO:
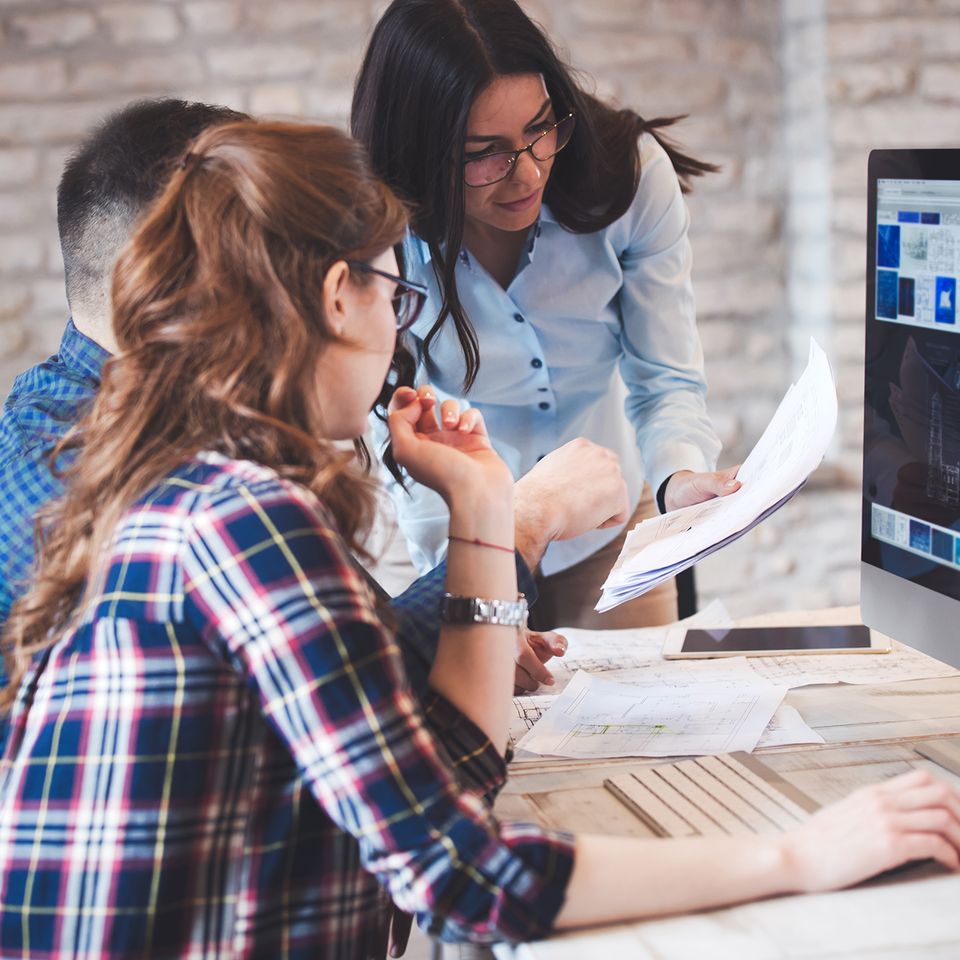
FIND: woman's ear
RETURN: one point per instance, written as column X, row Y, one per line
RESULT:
column 336, row 295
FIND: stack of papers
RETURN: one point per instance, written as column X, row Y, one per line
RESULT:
column 790, row 449
column 596, row 717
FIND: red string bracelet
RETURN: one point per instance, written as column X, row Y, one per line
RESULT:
column 480, row 543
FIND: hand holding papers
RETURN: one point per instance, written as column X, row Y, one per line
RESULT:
column 790, row 449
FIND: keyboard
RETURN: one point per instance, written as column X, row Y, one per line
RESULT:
column 711, row 796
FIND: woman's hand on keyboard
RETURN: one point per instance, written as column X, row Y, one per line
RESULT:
column 912, row 817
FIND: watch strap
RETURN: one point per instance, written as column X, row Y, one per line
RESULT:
column 464, row 610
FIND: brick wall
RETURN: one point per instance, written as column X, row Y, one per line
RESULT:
column 788, row 95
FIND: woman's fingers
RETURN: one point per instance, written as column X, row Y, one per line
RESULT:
column 928, row 846
column 547, row 644
column 402, row 400
column 449, row 414
column 938, row 795
column 428, row 401
column 530, row 663
column 935, row 820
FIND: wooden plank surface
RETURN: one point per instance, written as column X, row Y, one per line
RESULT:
column 868, row 729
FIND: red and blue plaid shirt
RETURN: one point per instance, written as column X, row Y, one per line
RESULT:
column 45, row 402
column 225, row 758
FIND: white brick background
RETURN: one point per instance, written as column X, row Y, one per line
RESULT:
column 789, row 95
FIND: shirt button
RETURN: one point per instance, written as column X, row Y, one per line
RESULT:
column 544, row 406
column 536, row 363
column 518, row 317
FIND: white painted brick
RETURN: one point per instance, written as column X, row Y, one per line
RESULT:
column 261, row 61
column 212, row 17
column 131, row 23
column 903, row 123
column 54, row 264
column 741, row 54
column 658, row 15
column 151, row 73
column 739, row 215
column 866, row 8
column 753, row 105
column 276, row 99
column 49, row 297
column 42, row 122
column 602, row 50
column 18, row 166
column 652, row 92
column 330, row 69
column 14, row 302
column 879, row 40
column 848, row 301
column 862, row 82
column 941, row 82
column 20, row 254
column 27, row 79
column 280, row 16
column 24, row 208
column 60, row 29
column 13, row 338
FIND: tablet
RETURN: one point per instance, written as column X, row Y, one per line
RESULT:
column 772, row 641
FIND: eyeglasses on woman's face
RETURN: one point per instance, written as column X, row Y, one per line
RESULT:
column 408, row 297
column 482, row 169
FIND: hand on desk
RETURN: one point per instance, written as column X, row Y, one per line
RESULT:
column 912, row 817
column 533, row 651
column 686, row 488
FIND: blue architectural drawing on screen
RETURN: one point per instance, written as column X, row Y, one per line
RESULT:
column 887, row 294
column 946, row 302
column 888, row 245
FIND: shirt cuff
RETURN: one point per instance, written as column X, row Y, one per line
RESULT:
column 662, row 495
column 672, row 458
column 479, row 766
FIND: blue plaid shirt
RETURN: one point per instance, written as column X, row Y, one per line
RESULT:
column 45, row 402
column 223, row 756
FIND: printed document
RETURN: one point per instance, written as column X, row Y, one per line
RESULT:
column 789, row 450
column 595, row 718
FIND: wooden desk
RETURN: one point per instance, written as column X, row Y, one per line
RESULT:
column 914, row 913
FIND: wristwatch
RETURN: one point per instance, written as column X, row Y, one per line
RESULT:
column 508, row 613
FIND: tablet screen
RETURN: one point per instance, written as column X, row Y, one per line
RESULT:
column 760, row 639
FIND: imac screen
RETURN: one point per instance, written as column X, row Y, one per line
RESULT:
column 911, row 457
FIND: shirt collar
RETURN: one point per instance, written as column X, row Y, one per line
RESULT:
column 80, row 353
column 422, row 248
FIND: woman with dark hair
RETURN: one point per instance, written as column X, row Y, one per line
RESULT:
column 214, row 749
column 552, row 234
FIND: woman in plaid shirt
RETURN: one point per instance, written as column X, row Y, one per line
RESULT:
column 214, row 750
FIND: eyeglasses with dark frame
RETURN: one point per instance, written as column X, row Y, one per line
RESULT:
column 407, row 300
column 488, row 168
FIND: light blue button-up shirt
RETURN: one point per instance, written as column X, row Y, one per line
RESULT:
column 595, row 337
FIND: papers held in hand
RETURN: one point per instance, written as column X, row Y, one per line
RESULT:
column 790, row 449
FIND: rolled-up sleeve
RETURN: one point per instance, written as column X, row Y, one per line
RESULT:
column 662, row 361
column 270, row 586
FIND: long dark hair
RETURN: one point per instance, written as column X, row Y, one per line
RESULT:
column 426, row 63
column 217, row 313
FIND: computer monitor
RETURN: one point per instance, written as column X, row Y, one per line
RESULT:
column 910, row 552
